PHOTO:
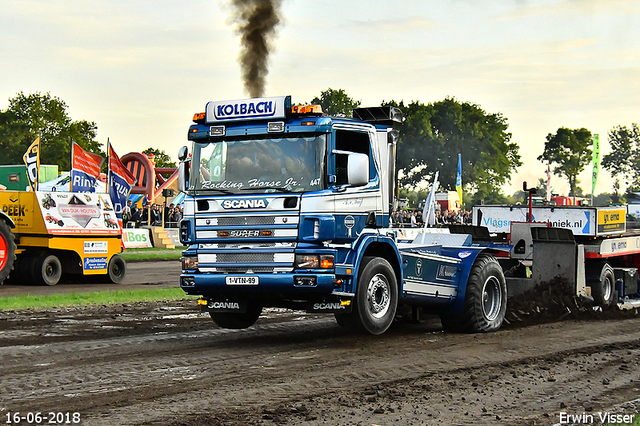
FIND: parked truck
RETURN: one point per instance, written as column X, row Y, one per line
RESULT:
column 289, row 208
column 44, row 235
column 588, row 249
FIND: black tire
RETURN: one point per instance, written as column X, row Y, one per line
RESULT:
column 376, row 296
column 22, row 273
column 485, row 301
column 603, row 284
column 237, row 321
column 117, row 269
column 47, row 269
column 7, row 250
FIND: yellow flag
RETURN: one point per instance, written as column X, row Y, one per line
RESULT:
column 32, row 160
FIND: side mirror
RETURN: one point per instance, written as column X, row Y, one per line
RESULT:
column 357, row 169
column 183, row 153
column 183, row 174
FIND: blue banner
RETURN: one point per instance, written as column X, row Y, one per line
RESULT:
column 82, row 182
column 119, row 190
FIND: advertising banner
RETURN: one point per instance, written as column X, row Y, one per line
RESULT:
column 120, row 182
column 85, row 169
column 136, row 238
column 31, row 159
column 77, row 213
column 583, row 221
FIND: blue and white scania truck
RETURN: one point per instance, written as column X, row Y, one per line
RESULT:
column 289, row 208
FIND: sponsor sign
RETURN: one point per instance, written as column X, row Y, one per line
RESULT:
column 93, row 263
column 625, row 245
column 94, row 247
column 77, row 213
column 581, row 221
column 136, row 238
column 612, row 220
column 247, row 109
column 19, row 207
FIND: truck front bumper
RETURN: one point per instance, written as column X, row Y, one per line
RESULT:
column 301, row 285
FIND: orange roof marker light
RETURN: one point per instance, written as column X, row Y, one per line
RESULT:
column 199, row 117
column 306, row 109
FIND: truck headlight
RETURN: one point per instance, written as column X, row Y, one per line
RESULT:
column 314, row 261
column 189, row 263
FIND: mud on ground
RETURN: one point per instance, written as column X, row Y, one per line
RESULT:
column 167, row 364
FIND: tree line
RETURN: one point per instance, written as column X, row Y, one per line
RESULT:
column 431, row 137
column 30, row 116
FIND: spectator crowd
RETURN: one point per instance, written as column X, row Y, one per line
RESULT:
column 133, row 217
column 413, row 218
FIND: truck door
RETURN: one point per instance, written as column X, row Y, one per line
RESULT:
column 355, row 207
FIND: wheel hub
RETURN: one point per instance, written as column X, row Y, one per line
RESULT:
column 491, row 298
column 378, row 296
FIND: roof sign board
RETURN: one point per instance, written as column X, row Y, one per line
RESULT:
column 248, row 109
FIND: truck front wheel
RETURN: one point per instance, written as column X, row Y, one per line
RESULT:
column 485, row 301
column 7, row 250
column 237, row 321
column 376, row 296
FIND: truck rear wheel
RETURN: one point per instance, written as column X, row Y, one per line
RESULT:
column 603, row 284
column 7, row 250
column 485, row 301
column 376, row 296
column 116, row 270
column 48, row 269
column 237, row 321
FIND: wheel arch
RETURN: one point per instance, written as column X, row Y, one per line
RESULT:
column 468, row 260
column 7, row 219
column 382, row 247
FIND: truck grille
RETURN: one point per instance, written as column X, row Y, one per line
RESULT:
column 246, row 220
column 266, row 269
column 244, row 258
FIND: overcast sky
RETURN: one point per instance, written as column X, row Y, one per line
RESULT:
column 141, row 68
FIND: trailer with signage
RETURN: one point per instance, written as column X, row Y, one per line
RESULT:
column 44, row 235
column 591, row 249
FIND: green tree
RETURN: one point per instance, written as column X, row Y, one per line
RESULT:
column 30, row 116
column 336, row 103
column 433, row 135
column 161, row 158
column 569, row 152
column 624, row 159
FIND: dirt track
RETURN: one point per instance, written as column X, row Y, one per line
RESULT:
column 166, row 364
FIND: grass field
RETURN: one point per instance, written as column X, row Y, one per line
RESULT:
column 103, row 297
column 16, row 303
column 152, row 253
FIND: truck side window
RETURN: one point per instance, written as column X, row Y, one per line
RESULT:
column 352, row 142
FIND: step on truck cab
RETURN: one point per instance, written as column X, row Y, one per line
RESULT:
column 287, row 207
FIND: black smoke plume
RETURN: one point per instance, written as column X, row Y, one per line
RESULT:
column 257, row 21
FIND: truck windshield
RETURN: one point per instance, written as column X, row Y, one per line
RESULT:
column 295, row 163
